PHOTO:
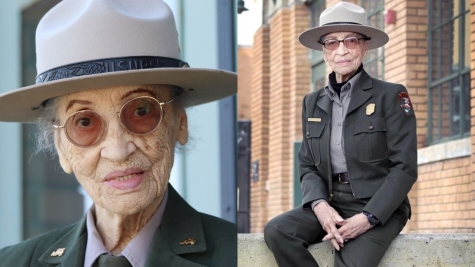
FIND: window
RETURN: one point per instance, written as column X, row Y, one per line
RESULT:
column 50, row 197
column 449, row 70
column 374, row 61
column 318, row 65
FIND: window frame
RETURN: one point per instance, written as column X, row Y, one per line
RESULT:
column 460, row 74
column 316, row 57
column 369, row 59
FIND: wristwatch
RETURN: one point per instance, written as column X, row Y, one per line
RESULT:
column 371, row 218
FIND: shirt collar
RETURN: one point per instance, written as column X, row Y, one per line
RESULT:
column 136, row 250
column 348, row 86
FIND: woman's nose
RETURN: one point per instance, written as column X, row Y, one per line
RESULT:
column 118, row 143
column 341, row 50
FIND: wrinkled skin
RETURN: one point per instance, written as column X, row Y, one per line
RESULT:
column 344, row 61
column 120, row 214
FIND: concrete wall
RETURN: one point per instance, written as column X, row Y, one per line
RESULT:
column 454, row 250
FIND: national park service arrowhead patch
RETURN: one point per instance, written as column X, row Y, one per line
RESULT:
column 405, row 103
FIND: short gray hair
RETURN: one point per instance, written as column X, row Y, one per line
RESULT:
column 44, row 132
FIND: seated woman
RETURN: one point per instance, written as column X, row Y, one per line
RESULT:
column 110, row 99
column 358, row 158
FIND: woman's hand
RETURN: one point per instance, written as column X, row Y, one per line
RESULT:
column 329, row 219
column 354, row 226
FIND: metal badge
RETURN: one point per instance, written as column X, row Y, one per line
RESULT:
column 188, row 241
column 370, row 109
column 58, row 253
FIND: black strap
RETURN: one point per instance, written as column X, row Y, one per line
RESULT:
column 108, row 65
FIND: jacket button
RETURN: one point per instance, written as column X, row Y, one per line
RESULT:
column 371, row 127
column 308, row 133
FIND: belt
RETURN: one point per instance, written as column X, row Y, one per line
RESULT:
column 343, row 178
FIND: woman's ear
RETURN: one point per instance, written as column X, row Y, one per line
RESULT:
column 366, row 47
column 63, row 160
column 183, row 128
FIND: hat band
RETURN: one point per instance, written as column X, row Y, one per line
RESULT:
column 335, row 23
column 108, row 65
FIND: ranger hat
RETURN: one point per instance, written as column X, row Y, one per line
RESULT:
column 92, row 44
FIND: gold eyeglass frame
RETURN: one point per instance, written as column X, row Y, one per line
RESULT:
column 104, row 123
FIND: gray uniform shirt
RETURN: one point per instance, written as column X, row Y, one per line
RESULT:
column 339, row 109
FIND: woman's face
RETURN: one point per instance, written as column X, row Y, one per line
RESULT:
column 344, row 61
column 124, row 172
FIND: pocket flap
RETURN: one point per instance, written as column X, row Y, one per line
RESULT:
column 314, row 129
column 370, row 125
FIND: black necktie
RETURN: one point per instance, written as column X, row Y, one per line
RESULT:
column 107, row 260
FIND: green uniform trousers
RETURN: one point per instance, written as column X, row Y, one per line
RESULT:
column 289, row 234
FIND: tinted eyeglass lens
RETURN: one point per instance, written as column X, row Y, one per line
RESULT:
column 331, row 44
column 350, row 42
column 141, row 115
column 85, row 128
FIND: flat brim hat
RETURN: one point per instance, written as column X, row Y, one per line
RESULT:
column 92, row 44
column 343, row 17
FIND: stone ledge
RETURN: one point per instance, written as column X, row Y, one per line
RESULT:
column 411, row 250
column 447, row 150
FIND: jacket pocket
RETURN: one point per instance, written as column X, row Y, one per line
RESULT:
column 370, row 137
column 314, row 133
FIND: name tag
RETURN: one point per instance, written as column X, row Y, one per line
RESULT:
column 315, row 119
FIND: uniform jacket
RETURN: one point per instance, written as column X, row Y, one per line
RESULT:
column 216, row 242
column 380, row 148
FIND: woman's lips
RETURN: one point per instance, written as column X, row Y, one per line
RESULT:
column 343, row 62
column 125, row 180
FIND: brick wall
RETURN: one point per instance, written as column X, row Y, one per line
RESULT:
column 406, row 56
column 279, row 55
column 244, row 81
column 260, row 127
column 280, row 193
column 441, row 202
column 472, row 113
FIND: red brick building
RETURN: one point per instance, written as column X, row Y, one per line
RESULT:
column 431, row 51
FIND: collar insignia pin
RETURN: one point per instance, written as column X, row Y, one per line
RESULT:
column 370, row 109
column 188, row 241
column 58, row 253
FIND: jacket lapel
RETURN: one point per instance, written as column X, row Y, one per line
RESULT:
column 180, row 222
column 359, row 95
column 74, row 245
column 324, row 103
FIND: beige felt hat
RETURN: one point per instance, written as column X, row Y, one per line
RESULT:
column 92, row 44
column 343, row 17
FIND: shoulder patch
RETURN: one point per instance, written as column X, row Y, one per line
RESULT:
column 405, row 102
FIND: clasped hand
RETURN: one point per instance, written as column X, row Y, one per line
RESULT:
column 347, row 229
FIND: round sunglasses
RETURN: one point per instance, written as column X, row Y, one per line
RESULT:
column 139, row 116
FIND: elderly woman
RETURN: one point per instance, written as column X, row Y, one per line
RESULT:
column 358, row 158
column 110, row 99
